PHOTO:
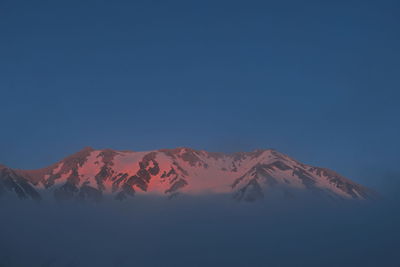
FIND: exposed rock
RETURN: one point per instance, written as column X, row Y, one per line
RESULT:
column 92, row 174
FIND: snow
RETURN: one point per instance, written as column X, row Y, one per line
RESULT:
column 214, row 174
column 58, row 168
column 89, row 170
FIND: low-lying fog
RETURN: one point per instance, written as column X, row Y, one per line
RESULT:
column 200, row 231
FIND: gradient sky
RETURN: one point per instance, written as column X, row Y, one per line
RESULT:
column 318, row 80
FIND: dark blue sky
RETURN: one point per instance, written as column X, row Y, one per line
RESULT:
column 318, row 80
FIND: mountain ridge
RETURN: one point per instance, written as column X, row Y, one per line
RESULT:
column 94, row 174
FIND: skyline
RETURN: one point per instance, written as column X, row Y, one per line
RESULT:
column 315, row 81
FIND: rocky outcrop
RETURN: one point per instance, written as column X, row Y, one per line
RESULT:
column 94, row 174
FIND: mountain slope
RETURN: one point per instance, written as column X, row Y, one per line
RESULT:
column 95, row 174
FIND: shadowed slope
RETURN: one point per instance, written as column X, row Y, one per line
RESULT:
column 93, row 174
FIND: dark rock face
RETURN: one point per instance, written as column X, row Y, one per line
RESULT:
column 140, row 180
column 143, row 175
column 88, row 176
column 106, row 172
column 51, row 180
column 188, row 155
column 70, row 163
column 12, row 182
column 169, row 174
column 306, row 179
column 234, row 167
column 252, row 191
column 117, row 181
column 176, row 185
column 344, row 184
column 278, row 164
column 176, row 182
column 76, row 160
column 150, row 158
column 262, row 172
column 87, row 192
column 70, row 188
column 191, row 158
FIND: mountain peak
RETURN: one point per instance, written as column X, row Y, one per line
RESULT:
column 94, row 174
column 87, row 148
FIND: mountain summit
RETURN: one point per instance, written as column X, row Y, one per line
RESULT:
column 94, row 174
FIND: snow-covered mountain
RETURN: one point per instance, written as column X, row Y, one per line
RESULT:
column 97, row 174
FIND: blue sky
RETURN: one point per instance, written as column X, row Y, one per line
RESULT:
column 318, row 80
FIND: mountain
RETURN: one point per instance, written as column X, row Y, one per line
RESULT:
column 96, row 174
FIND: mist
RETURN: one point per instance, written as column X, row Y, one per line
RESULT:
column 200, row 231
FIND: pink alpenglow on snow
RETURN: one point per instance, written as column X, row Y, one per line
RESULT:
column 96, row 174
